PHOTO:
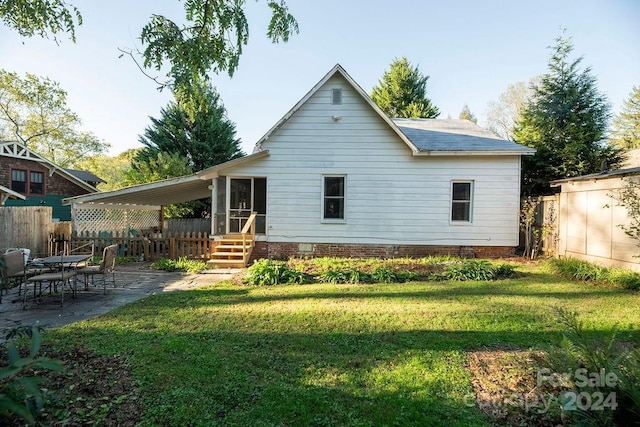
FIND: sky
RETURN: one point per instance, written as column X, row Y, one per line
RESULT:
column 471, row 50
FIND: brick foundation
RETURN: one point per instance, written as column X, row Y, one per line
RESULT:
column 278, row 250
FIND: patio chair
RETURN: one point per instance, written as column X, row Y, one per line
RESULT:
column 107, row 266
column 12, row 270
column 52, row 279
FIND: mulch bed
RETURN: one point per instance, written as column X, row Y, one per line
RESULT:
column 506, row 389
column 92, row 390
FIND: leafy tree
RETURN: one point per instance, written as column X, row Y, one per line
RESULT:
column 41, row 17
column 626, row 126
column 466, row 114
column 162, row 166
column 34, row 112
column 629, row 197
column 565, row 122
column 401, row 92
column 196, row 127
column 506, row 112
column 211, row 39
column 114, row 170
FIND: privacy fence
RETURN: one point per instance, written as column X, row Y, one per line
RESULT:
column 26, row 227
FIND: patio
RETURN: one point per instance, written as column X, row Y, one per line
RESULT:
column 133, row 282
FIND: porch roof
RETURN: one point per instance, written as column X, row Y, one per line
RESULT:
column 166, row 192
column 7, row 193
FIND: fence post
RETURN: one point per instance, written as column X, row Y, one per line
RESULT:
column 173, row 248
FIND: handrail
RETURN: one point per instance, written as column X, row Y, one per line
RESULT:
column 249, row 228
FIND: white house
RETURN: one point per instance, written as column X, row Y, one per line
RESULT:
column 336, row 176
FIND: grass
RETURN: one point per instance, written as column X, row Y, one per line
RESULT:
column 325, row 354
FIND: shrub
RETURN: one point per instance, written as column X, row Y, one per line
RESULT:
column 20, row 393
column 610, row 402
column 475, row 270
column 181, row 264
column 270, row 272
column 470, row 270
column 384, row 275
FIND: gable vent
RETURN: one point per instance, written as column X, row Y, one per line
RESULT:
column 336, row 96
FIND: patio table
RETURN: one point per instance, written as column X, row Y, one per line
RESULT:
column 56, row 262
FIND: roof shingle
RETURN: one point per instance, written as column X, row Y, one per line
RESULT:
column 455, row 135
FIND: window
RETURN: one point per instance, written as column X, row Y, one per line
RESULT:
column 333, row 198
column 336, row 96
column 461, row 201
column 36, row 183
column 19, row 181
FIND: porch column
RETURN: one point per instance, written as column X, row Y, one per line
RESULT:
column 214, row 205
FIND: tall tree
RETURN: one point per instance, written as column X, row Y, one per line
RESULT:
column 162, row 166
column 211, row 39
column 34, row 112
column 466, row 114
column 505, row 113
column 402, row 92
column 566, row 122
column 625, row 131
column 194, row 126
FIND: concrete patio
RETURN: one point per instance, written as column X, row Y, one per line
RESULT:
column 133, row 282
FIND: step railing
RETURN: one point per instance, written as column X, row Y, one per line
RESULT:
column 248, row 236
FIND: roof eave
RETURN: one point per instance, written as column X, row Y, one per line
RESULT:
column 213, row 171
column 425, row 153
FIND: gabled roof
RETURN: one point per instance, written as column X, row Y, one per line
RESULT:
column 618, row 173
column 85, row 175
column 455, row 136
column 337, row 69
column 19, row 151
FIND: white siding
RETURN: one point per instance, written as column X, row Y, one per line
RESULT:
column 392, row 197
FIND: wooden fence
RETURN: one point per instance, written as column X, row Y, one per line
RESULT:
column 175, row 226
column 150, row 247
column 26, row 227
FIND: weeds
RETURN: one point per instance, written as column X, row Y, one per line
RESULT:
column 603, row 376
column 20, row 393
column 575, row 269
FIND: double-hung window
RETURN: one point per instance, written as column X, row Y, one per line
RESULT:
column 36, row 183
column 27, row 182
column 19, row 181
column 333, row 198
column 461, row 201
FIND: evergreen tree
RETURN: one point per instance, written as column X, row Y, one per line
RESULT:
column 626, row 126
column 565, row 121
column 401, row 92
column 466, row 114
column 195, row 126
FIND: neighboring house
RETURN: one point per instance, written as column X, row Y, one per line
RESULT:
column 589, row 218
column 35, row 181
column 336, row 176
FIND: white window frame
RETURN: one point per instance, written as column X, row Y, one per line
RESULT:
column 470, row 202
column 344, row 198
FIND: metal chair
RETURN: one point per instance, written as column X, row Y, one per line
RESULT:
column 107, row 266
column 12, row 270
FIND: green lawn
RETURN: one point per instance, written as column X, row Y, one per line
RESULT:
column 356, row 355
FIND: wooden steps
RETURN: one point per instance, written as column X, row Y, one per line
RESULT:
column 231, row 252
